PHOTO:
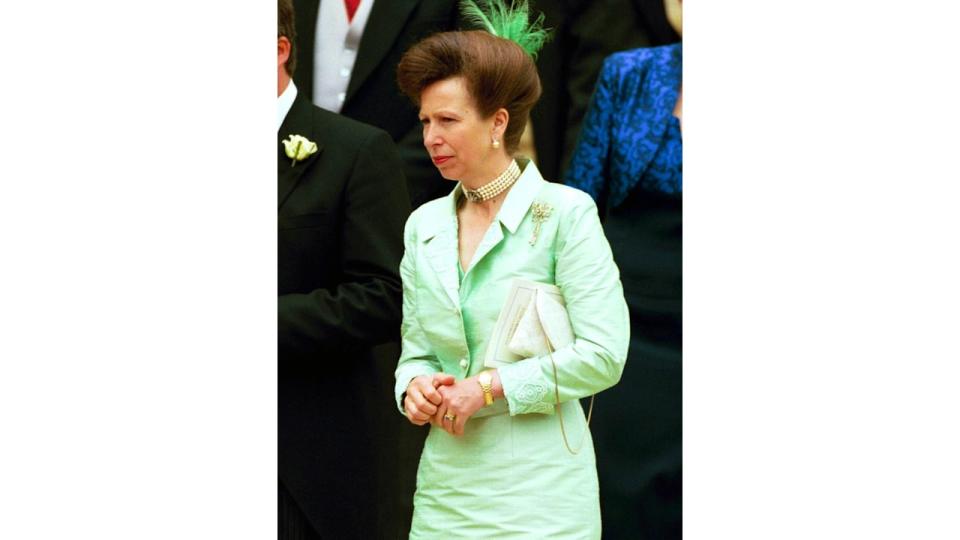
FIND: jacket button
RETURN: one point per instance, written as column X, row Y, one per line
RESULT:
column 463, row 363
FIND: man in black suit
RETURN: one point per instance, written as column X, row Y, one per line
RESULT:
column 341, row 214
column 389, row 28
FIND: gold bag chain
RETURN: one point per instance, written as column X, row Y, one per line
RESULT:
column 556, row 386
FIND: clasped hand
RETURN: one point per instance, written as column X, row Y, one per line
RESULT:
column 435, row 398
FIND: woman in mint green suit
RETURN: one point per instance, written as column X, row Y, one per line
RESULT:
column 495, row 463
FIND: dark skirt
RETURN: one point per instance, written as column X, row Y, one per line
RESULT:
column 637, row 425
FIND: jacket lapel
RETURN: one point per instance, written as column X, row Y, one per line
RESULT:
column 662, row 84
column 386, row 21
column 493, row 237
column 514, row 208
column 438, row 231
column 297, row 122
column 521, row 196
column 441, row 251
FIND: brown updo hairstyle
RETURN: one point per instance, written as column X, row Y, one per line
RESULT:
column 497, row 72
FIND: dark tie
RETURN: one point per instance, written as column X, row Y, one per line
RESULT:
column 351, row 8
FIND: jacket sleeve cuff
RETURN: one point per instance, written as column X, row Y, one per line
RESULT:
column 525, row 388
column 405, row 374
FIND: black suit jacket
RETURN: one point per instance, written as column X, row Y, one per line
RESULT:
column 341, row 217
column 372, row 95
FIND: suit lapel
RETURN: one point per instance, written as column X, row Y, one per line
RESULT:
column 441, row 251
column 438, row 231
column 493, row 237
column 387, row 19
column 297, row 122
column 514, row 208
column 662, row 84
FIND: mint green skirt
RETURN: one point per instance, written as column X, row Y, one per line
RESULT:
column 509, row 477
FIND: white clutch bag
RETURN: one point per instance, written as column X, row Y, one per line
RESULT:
column 534, row 323
column 519, row 331
column 543, row 328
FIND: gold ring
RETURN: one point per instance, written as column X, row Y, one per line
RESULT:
column 450, row 417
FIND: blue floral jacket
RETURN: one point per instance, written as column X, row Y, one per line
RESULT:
column 628, row 120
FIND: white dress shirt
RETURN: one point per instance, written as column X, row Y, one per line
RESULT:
column 335, row 51
column 284, row 102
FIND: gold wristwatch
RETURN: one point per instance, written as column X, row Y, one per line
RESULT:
column 486, row 384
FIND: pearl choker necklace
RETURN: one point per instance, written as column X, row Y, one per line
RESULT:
column 495, row 187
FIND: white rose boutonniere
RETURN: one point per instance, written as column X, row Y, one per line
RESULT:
column 299, row 148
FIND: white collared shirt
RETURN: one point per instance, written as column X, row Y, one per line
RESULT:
column 284, row 102
column 335, row 51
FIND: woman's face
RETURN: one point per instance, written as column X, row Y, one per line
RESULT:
column 458, row 140
column 674, row 9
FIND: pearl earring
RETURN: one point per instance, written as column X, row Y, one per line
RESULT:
column 496, row 143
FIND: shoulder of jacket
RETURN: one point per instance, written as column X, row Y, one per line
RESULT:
column 640, row 58
column 641, row 54
column 564, row 195
column 340, row 130
column 566, row 199
column 427, row 218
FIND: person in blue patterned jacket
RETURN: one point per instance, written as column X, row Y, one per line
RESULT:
column 629, row 158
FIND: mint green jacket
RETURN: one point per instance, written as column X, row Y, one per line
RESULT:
column 447, row 322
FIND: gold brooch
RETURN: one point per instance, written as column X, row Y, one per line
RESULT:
column 541, row 211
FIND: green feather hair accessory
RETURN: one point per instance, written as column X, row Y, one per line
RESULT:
column 508, row 19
